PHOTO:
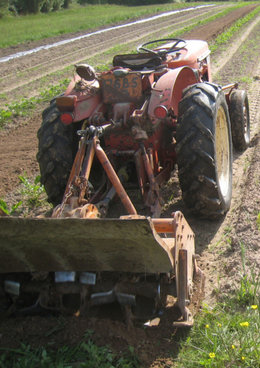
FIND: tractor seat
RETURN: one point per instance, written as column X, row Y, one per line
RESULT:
column 138, row 62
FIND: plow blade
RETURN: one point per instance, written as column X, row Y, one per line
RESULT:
column 49, row 244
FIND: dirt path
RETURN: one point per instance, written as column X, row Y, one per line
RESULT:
column 219, row 246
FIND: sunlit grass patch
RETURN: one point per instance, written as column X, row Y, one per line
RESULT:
column 223, row 337
column 227, row 335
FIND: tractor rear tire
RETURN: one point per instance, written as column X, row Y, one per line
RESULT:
column 56, row 150
column 239, row 119
column 204, row 150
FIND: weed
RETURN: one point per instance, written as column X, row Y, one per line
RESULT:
column 5, row 117
column 86, row 354
column 246, row 79
column 31, row 191
column 250, row 282
column 6, row 209
column 224, row 242
column 249, row 288
column 3, row 96
column 258, row 221
column 246, row 164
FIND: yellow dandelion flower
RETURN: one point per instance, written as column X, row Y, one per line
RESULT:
column 219, row 325
column 207, row 326
column 212, row 355
column 233, row 346
column 243, row 358
column 244, row 324
column 254, row 306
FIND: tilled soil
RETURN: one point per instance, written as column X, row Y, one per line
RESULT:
column 219, row 245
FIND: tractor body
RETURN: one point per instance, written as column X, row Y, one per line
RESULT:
column 106, row 146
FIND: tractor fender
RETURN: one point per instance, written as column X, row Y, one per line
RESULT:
column 85, row 107
column 85, row 104
column 168, row 89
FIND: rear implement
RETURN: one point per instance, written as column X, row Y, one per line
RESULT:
column 135, row 248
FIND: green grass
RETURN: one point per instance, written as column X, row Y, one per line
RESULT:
column 22, row 29
column 227, row 335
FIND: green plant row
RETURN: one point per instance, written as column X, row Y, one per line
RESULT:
column 25, row 105
column 206, row 20
column 224, row 37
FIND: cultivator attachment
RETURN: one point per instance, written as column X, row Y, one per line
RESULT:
column 79, row 250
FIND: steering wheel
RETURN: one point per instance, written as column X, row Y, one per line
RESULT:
column 174, row 47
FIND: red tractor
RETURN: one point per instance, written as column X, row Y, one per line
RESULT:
column 109, row 134
column 150, row 111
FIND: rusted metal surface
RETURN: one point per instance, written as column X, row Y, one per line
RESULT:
column 153, row 199
column 228, row 86
column 124, row 88
column 184, row 266
column 168, row 89
column 82, row 245
column 164, row 225
column 140, row 171
column 113, row 178
column 75, row 171
column 72, row 209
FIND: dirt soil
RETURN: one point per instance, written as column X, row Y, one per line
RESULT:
column 219, row 246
